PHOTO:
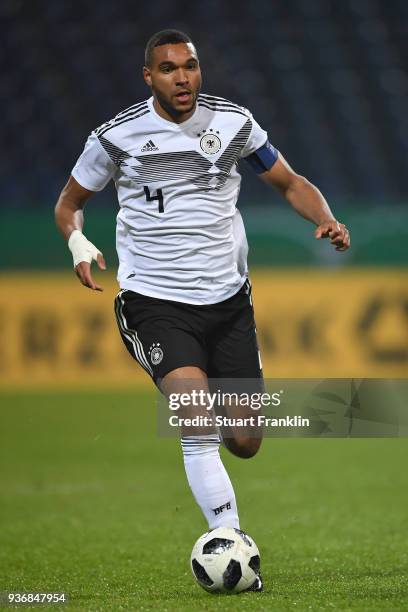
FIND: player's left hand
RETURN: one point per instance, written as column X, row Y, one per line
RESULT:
column 337, row 232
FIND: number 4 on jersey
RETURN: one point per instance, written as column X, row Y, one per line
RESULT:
column 158, row 196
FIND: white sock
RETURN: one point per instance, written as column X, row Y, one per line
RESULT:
column 209, row 481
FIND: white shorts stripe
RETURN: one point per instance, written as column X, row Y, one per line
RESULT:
column 139, row 351
column 127, row 335
column 131, row 334
column 134, row 341
column 248, row 290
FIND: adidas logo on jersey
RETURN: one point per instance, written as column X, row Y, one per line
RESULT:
column 150, row 146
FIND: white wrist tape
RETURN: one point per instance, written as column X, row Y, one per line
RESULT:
column 81, row 248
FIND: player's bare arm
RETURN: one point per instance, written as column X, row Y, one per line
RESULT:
column 69, row 218
column 308, row 201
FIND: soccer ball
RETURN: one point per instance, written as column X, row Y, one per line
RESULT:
column 225, row 560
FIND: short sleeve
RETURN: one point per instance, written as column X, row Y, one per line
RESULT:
column 94, row 168
column 257, row 137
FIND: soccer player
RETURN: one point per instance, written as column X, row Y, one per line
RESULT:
column 184, row 307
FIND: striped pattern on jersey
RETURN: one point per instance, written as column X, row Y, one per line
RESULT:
column 133, row 112
column 220, row 104
column 117, row 155
column 175, row 165
column 231, row 154
column 189, row 165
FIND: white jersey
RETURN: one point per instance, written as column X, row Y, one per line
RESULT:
column 179, row 234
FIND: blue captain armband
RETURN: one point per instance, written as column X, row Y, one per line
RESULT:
column 263, row 158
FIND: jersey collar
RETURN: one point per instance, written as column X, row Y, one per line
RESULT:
column 172, row 124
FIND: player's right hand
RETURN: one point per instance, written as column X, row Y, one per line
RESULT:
column 83, row 272
column 84, row 253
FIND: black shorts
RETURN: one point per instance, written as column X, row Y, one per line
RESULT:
column 163, row 335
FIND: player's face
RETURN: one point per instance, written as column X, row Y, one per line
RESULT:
column 175, row 79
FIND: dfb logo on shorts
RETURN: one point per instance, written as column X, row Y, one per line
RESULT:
column 156, row 354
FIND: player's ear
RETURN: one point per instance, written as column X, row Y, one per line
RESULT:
column 147, row 76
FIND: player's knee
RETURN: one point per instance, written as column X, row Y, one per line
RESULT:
column 245, row 448
column 250, row 447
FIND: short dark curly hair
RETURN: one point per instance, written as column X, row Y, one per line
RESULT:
column 164, row 37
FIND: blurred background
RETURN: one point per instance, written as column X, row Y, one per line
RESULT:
column 87, row 485
column 328, row 80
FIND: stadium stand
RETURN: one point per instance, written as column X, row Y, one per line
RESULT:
column 326, row 79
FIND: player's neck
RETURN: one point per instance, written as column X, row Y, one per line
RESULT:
column 179, row 118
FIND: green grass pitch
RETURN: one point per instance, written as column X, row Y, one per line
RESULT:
column 95, row 504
